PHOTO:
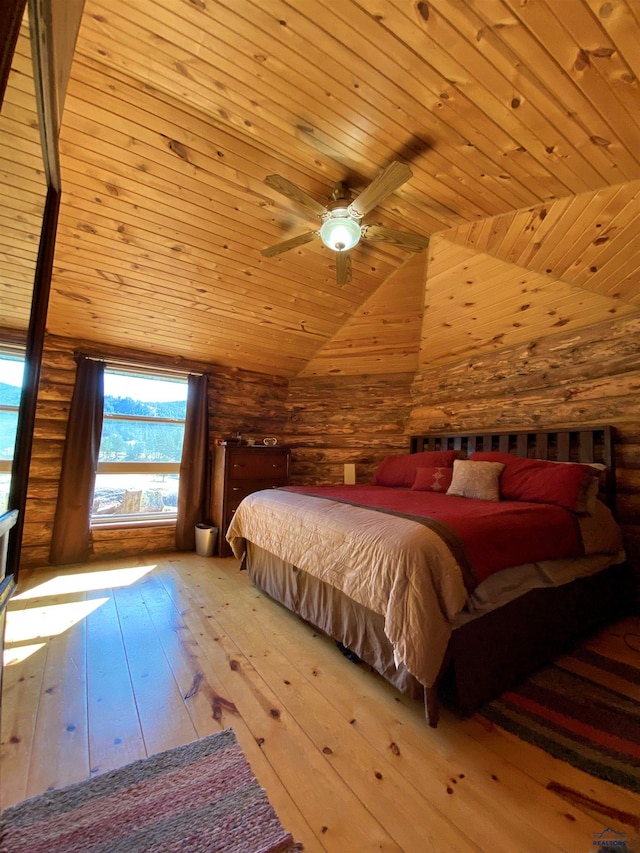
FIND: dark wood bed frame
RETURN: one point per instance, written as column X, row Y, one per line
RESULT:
column 588, row 445
column 493, row 652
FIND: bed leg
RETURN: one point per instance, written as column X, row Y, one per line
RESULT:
column 432, row 706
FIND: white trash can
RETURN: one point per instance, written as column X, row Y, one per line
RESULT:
column 206, row 536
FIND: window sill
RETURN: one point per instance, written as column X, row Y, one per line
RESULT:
column 132, row 525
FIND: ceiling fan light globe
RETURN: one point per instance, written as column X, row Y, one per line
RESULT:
column 340, row 233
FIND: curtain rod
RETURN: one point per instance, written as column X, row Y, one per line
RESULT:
column 138, row 366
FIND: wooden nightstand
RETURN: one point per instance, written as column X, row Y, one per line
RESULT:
column 238, row 471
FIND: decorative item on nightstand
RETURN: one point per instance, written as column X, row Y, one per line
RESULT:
column 270, row 441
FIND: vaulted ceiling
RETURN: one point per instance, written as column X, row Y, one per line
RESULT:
column 520, row 123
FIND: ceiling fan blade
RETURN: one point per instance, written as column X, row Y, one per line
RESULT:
column 380, row 234
column 343, row 267
column 282, row 185
column 292, row 243
column 386, row 183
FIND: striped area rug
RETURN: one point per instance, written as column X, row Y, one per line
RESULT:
column 585, row 709
column 199, row 798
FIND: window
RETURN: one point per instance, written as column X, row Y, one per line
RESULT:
column 11, row 374
column 141, row 446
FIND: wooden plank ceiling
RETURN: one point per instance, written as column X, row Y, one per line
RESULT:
column 520, row 122
column 22, row 188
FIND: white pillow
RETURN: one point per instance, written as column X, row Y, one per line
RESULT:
column 476, row 480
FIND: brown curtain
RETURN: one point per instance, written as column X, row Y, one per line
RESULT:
column 192, row 492
column 70, row 542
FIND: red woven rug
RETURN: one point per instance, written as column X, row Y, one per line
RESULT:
column 566, row 710
column 197, row 798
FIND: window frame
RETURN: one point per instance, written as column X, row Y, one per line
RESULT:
column 11, row 353
column 149, row 518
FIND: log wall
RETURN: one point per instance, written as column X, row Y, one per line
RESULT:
column 587, row 377
column 333, row 420
column 238, row 400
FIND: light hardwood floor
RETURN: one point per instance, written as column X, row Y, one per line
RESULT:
column 110, row 662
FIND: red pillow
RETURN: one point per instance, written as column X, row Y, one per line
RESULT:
column 432, row 479
column 400, row 471
column 541, row 481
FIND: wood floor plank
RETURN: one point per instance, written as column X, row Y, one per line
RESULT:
column 326, row 802
column 370, row 776
column 24, row 665
column 156, row 654
column 463, row 778
column 47, row 689
column 115, row 733
column 620, row 642
column 203, row 695
column 60, row 753
column 412, row 820
column 577, row 793
column 164, row 719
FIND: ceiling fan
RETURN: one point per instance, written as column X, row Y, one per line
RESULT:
column 341, row 227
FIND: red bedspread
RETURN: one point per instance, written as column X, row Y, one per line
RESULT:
column 495, row 534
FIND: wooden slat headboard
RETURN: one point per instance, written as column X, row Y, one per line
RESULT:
column 588, row 444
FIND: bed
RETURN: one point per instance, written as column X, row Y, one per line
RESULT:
column 465, row 565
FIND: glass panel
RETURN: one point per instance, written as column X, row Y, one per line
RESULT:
column 5, row 483
column 8, row 424
column 11, row 372
column 131, row 394
column 140, row 441
column 130, row 435
column 134, row 495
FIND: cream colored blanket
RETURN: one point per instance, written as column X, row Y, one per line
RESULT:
column 395, row 567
